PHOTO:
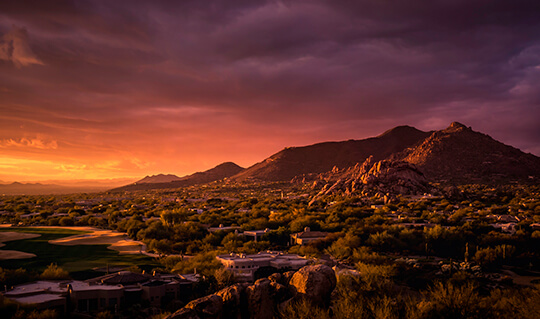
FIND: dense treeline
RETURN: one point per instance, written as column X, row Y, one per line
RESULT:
column 176, row 223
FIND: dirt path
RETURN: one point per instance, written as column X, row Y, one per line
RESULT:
column 521, row 280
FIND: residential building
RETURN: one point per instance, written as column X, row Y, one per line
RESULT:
column 256, row 234
column 307, row 236
column 109, row 292
column 244, row 266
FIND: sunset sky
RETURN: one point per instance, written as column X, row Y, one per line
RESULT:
column 108, row 89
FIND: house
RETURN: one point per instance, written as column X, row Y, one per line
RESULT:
column 86, row 297
column 256, row 234
column 41, row 294
column 307, row 236
column 225, row 228
column 509, row 228
column 109, row 292
column 244, row 266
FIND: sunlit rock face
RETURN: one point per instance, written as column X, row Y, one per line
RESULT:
column 384, row 178
column 315, row 282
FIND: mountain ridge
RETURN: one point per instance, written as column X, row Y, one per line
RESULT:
column 459, row 153
column 321, row 157
column 454, row 154
column 18, row 188
column 159, row 178
column 219, row 172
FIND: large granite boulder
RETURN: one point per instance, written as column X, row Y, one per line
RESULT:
column 262, row 299
column 315, row 282
column 184, row 313
column 286, row 277
column 260, row 302
column 234, row 301
column 210, row 306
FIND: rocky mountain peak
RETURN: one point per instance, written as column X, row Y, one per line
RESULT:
column 458, row 153
column 457, row 127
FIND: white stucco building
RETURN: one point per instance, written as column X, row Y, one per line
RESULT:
column 244, row 266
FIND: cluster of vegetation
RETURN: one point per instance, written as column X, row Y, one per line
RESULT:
column 375, row 297
column 446, row 242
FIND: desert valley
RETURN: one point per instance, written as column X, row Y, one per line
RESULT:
column 269, row 159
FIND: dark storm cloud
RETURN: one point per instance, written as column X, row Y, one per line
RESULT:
column 309, row 69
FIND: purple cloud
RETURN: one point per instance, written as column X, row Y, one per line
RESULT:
column 267, row 74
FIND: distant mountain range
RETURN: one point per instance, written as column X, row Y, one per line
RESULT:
column 17, row 188
column 160, row 178
column 161, row 181
column 455, row 154
column 61, row 186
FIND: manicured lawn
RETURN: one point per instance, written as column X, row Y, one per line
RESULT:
column 71, row 258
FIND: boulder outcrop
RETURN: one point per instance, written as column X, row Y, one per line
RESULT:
column 210, row 306
column 383, row 178
column 260, row 302
column 264, row 298
column 233, row 300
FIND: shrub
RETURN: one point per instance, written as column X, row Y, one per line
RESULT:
column 448, row 301
column 53, row 272
column 376, row 277
column 365, row 255
column 224, row 277
column 304, row 309
column 204, row 263
column 11, row 277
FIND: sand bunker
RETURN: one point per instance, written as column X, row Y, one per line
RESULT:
column 13, row 235
column 127, row 247
column 117, row 241
column 14, row 254
column 98, row 237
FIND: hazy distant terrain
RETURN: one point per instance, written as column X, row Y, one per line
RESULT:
column 60, row 186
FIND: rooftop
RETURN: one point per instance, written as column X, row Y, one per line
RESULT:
column 311, row 234
column 267, row 255
column 36, row 299
column 256, row 232
column 50, row 287
column 121, row 277
column 86, row 286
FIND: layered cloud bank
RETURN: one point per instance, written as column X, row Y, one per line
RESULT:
column 94, row 89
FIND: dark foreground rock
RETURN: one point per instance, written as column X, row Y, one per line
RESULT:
column 264, row 298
